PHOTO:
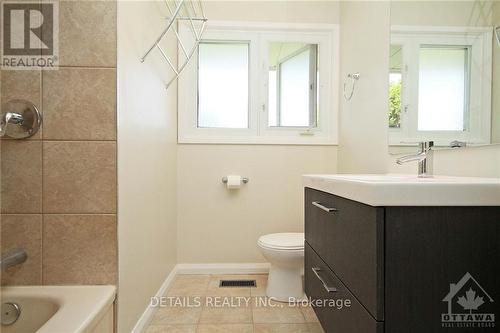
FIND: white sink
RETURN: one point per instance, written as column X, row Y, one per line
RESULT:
column 409, row 190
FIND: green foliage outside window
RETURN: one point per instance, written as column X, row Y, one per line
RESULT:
column 395, row 105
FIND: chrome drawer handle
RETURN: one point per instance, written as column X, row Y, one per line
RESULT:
column 316, row 271
column 326, row 209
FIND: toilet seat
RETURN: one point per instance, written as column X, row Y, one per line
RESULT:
column 283, row 241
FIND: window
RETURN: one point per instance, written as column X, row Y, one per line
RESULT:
column 395, row 86
column 223, row 85
column 292, row 85
column 261, row 84
column 437, row 85
column 442, row 88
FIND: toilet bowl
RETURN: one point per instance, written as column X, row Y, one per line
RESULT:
column 285, row 253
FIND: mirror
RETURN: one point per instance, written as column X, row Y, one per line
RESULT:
column 444, row 73
column 293, row 78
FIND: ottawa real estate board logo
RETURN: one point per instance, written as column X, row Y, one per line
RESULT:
column 30, row 35
column 469, row 305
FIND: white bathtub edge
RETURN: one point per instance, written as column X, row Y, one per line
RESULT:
column 80, row 307
column 101, row 310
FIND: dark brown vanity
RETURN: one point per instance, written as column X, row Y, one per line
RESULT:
column 405, row 269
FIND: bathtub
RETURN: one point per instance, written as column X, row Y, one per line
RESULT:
column 61, row 309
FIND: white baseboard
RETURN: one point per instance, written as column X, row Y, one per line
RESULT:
column 223, row 268
column 146, row 317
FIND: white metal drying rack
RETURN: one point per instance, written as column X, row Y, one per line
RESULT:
column 192, row 11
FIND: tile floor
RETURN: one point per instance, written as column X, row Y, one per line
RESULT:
column 196, row 304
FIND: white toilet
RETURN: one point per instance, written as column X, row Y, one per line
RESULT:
column 285, row 252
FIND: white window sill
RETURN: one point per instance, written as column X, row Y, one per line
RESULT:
column 304, row 141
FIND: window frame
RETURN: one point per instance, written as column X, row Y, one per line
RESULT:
column 259, row 35
column 478, row 39
column 188, row 130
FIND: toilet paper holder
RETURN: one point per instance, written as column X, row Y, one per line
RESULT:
column 244, row 180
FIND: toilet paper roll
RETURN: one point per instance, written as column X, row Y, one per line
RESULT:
column 233, row 182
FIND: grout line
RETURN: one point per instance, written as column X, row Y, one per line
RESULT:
column 42, row 278
column 41, row 185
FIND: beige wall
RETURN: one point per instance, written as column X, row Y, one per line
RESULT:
column 274, row 11
column 442, row 13
column 364, row 30
column 212, row 222
column 217, row 225
column 147, row 131
column 59, row 187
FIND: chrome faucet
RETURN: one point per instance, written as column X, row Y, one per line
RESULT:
column 424, row 158
column 12, row 258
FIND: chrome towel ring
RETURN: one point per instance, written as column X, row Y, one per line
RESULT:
column 353, row 78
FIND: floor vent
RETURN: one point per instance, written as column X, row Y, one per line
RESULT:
column 237, row 283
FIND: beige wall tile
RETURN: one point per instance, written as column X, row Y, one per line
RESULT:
column 79, row 249
column 79, row 104
column 79, row 177
column 87, row 33
column 23, row 231
column 21, row 173
column 22, row 84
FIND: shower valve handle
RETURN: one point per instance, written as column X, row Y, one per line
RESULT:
column 20, row 120
column 10, row 118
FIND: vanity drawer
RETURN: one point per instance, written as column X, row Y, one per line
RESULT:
column 335, row 319
column 349, row 238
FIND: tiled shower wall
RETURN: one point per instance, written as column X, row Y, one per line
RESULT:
column 58, row 189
